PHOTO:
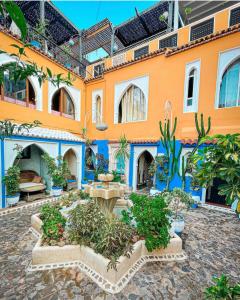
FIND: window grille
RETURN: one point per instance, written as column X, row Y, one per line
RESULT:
column 202, row 29
column 98, row 70
column 141, row 51
column 168, row 42
column 235, row 16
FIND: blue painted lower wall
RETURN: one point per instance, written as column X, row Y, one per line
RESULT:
column 102, row 148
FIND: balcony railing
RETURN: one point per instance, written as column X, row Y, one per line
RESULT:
column 63, row 54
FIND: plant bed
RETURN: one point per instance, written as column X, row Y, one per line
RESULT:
column 95, row 265
column 109, row 248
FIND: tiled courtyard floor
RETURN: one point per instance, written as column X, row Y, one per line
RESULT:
column 211, row 240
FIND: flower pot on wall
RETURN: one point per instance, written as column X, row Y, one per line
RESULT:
column 36, row 44
column 56, row 191
column 12, row 200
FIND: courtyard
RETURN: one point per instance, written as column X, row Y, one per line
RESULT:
column 210, row 239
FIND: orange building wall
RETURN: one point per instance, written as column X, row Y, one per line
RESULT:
column 166, row 82
column 24, row 114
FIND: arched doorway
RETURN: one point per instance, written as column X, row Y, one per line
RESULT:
column 71, row 159
column 143, row 177
column 34, row 178
column 90, row 159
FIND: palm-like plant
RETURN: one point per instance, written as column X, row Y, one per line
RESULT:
column 122, row 152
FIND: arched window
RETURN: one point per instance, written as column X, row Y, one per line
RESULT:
column 98, row 110
column 230, row 86
column 191, row 86
column 62, row 104
column 132, row 106
column 20, row 92
column 190, row 90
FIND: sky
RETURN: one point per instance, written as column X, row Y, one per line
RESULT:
column 84, row 14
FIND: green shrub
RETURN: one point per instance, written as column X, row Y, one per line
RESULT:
column 151, row 217
column 83, row 195
column 84, row 223
column 115, row 239
column 53, row 222
column 222, row 290
column 57, row 170
column 11, row 180
column 89, row 226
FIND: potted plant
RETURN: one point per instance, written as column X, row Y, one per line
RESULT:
column 177, row 201
column 11, row 180
column 58, row 172
column 38, row 34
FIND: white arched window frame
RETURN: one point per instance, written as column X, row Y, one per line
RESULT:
column 121, row 87
column 97, row 106
column 4, row 59
column 186, row 152
column 132, row 105
column 73, row 92
column 227, row 60
column 63, row 104
column 191, row 86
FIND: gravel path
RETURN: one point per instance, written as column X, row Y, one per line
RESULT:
column 211, row 240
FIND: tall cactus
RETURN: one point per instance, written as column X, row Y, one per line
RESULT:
column 168, row 140
column 202, row 132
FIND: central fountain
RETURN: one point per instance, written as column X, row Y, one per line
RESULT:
column 105, row 192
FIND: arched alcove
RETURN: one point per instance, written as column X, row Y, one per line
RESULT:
column 143, row 178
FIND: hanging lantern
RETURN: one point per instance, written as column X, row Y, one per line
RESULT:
column 101, row 126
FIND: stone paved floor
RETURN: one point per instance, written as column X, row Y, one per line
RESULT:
column 211, row 239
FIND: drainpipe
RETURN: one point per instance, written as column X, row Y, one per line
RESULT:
column 176, row 14
column 42, row 20
column 112, row 40
column 170, row 16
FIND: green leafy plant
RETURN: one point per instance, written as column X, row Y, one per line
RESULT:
column 115, row 239
column 58, row 171
column 13, row 10
column 89, row 226
column 85, row 221
column 222, row 290
column 83, row 195
column 122, row 152
column 116, row 176
column 187, row 166
column 151, row 217
column 53, row 223
column 220, row 160
column 11, row 180
column 9, row 128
